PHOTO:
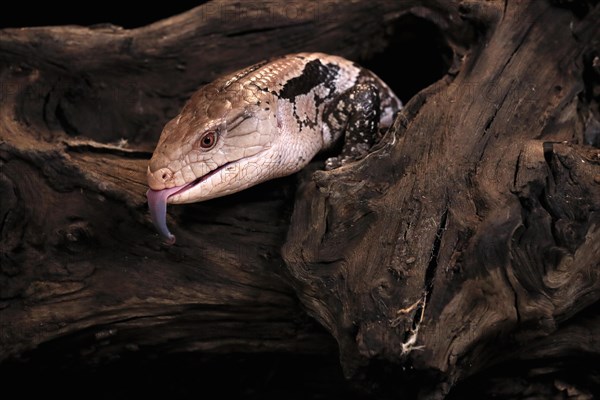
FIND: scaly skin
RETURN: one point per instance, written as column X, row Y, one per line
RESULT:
column 263, row 122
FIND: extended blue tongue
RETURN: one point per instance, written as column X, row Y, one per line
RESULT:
column 157, row 203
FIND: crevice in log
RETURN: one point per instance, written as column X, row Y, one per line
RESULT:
column 410, row 336
column 432, row 266
column 64, row 122
column 263, row 30
column 590, row 98
column 119, row 149
column 426, row 55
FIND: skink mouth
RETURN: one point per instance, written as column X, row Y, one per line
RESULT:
column 197, row 181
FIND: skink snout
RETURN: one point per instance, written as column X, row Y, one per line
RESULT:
column 158, row 179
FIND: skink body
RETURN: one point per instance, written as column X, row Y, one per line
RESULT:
column 266, row 121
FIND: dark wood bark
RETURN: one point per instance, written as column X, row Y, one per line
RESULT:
column 466, row 241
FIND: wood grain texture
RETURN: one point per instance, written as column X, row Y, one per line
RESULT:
column 473, row 230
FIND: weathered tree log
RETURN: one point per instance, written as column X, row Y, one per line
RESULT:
column 468, row 240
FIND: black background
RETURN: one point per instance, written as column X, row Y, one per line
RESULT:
column 25, row 14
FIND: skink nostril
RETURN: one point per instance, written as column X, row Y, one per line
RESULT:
column 166, row 175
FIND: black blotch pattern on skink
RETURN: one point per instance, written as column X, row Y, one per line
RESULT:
column 315, row 73
column 330, row 84
column 354, row 113
column 387, row 100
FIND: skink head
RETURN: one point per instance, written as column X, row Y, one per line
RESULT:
column 219, row 144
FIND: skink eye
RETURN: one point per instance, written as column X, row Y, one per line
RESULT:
column 208, row 140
